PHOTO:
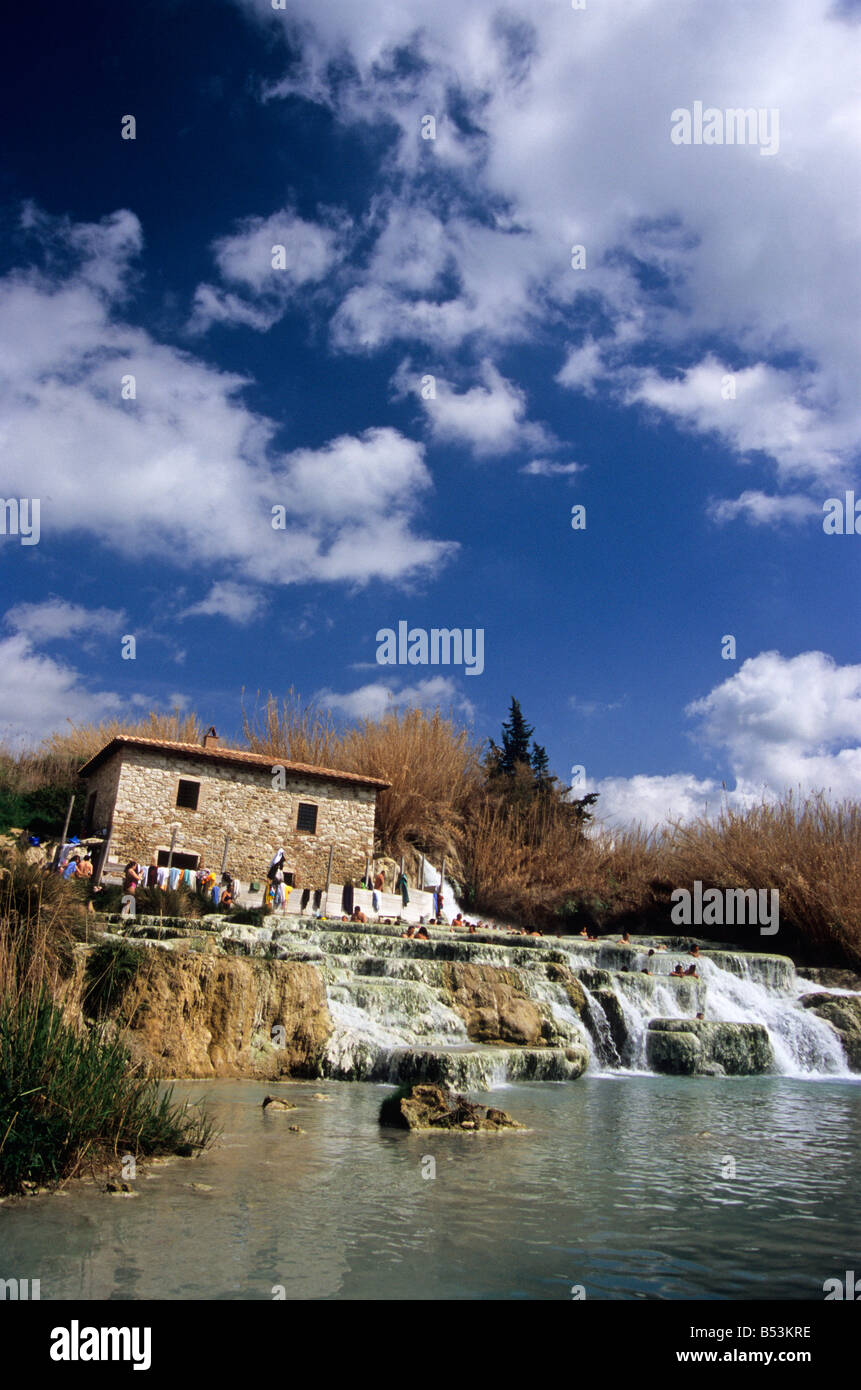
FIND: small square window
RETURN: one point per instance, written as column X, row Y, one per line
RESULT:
column 188, row 794
column 306, row 818
column 179, row 861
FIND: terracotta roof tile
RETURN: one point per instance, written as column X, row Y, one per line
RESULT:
column 226, row 755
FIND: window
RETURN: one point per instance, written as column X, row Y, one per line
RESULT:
column 179, row 861
column 188, row 794
column 306, row 818
column 89, row 814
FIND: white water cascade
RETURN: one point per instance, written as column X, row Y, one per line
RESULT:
column 398, row 1016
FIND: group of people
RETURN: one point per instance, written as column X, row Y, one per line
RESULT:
column 76, row 865
column 678, row 971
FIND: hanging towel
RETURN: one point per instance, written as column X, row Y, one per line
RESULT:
column 216, row 894
column 375, row 901
column 401, row 887
column 174, row 877
column 161, row 877
column 187, row 878
column 276, row 863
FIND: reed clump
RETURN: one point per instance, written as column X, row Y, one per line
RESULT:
column 70, row 1096
column 806, row 847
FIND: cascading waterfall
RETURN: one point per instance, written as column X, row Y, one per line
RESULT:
column 395, row 1017
column 450, row 905
column 804, row 1045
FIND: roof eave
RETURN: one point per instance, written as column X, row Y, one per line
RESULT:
column 121, row 742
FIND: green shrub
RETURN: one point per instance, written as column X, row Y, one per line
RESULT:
column 248, row 916
column 171, row 902
column 41, row 810
column 111, row 968
column 68, row 1098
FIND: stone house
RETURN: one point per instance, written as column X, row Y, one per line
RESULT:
column 140, row 790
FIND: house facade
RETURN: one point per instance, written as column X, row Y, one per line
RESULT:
column 225, row 805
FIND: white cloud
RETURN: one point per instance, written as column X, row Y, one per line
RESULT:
column 245, row 259
column 761, row 510
column 582, row 368
column 780, row 723
column 56, row 618
column 236, row 602
column 373, row 700
column 787, row 721
column 545, row 468
column 590, row 707
column 489, row 419
column 39, row 694
column 652, row 801
column 185, row 472
column 214, row 305
column 765, row 414
column 551, row 122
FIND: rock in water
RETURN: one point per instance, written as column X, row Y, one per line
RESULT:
column 430, row 1107
column 843, row 1012
column 273, row 1103
column 695, row 1047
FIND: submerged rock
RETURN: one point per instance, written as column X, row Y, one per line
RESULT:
column 695, row 1047
column 273, row 1103
column 843, row 1012
column 431, row 1107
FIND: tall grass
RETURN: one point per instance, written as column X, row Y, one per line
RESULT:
column 806, row 847
column 69, row 1095
column 41, row 916
column 435, row 773
column 81, row 742
column 529, row 863
column 523, row 863
column 293, row 731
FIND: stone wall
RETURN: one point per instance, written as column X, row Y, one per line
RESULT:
column 237, row 801
column 104, row 783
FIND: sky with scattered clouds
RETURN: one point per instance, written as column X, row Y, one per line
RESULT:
column 377, row 294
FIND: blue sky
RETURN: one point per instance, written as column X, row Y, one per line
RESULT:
column 694, row 386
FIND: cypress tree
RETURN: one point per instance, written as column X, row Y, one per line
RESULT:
column 516, row 734
column 541, row 766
